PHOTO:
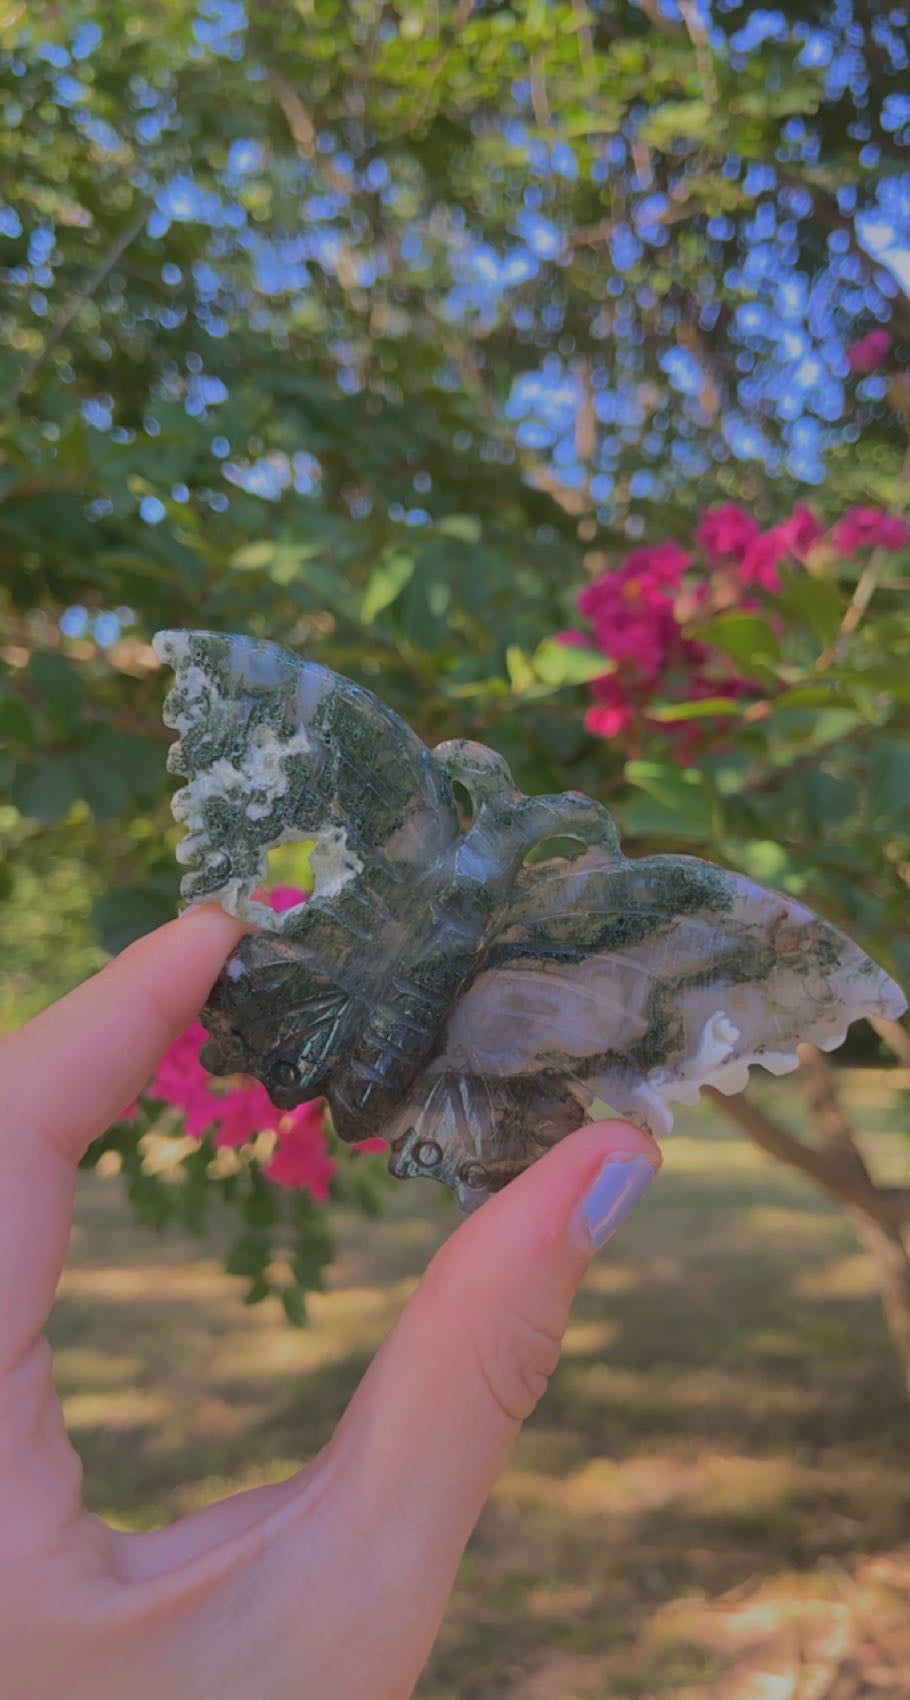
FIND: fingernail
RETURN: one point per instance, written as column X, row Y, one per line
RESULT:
column 616, row 1190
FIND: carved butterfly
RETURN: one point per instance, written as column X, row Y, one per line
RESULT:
column 438, row 988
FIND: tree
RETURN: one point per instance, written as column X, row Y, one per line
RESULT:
column 383, row 330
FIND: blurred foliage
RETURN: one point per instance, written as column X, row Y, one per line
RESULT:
column 378, row 329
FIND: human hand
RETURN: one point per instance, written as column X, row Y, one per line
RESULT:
column 331, row 1584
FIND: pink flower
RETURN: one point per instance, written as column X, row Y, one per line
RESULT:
column 241, row 1114
column 662, row 563
column 759, row 563
column 300, row 1158
column 235, row 1116
column 722, row 687
column 870, row 352
column 285, row 897
column 632, row 615
column 801, row 530
column 868, row 528
column 612, row 713
column 369, row 1145
column 181, row 1080
column 725, row 533
column 607, row 722
column 643, row 610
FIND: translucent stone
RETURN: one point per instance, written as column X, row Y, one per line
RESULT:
column 440, row 988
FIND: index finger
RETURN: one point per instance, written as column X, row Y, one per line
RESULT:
column 69, row 1073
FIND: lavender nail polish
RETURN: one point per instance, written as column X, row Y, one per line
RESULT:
column 616, row 1190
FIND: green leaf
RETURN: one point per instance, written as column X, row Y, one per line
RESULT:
column 294, row 1306
column 254, row 557
column 647, row 817
column 828, row 800
column 250, row 1254
column 45, row 789
column 391, row 573
column 888, row 783
column 16, row 724
column 816, row 602
column 705, row 708
column 674, row 118
column 823, row 694
column 421, row 614
column 748, row 639
column 463, row 526
column 127, row 913
column 520, row 669
column 260, row 1209
column 136, row 761
column 765, row 860
column 665, row 781
column 832, row 724
column 494, row 687
column 101, row 787
column 568, row 663
column 151, row 1199
column 58, row 687
column 677, row 803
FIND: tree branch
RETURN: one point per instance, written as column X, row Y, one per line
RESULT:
column 303, row 133
column 894, row 1035
column 865, row 588
column 78, row 301
column 839, row 1176
column 704, row 57
column 884, row 1240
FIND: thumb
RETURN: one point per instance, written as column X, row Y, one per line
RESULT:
column 434, row 1419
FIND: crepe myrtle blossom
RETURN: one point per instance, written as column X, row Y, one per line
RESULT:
column 725, row 533
column 868, row 528
column 869, row 352
column 234, row 1116
column 642, row 611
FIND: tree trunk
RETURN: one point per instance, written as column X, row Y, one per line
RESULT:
column 885, row 1241
column 836, row 1164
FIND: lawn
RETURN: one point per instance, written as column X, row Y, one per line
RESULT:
column 711, row 1503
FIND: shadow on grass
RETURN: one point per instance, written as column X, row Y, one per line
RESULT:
column 727, row 1413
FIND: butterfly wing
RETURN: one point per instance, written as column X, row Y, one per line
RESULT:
column 634, row 983
column 276, row 749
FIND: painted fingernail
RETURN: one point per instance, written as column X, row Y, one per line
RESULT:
column 620, row 1184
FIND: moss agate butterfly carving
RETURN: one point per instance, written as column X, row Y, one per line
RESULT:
column 439, row 988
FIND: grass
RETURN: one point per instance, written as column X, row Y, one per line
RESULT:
column 712, row 1502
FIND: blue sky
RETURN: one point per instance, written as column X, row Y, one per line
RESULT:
column 790, row 338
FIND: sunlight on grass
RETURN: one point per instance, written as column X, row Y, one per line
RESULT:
column 582, row 1338
column 123, row 1410
column 115, row 1285
column 353, row 1319
column 783, row 1222
column 842, row 1278
column 722, row 1451
column 79, row 1365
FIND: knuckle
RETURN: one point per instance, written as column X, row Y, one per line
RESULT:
column 516, row 1362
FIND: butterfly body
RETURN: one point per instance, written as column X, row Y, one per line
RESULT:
column 441, row 989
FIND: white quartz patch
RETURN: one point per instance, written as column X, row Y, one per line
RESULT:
column 196, row 687
column 332, row 861
column 258, row 770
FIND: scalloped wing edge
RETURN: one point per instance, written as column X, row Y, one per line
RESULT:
column 647, row 1099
